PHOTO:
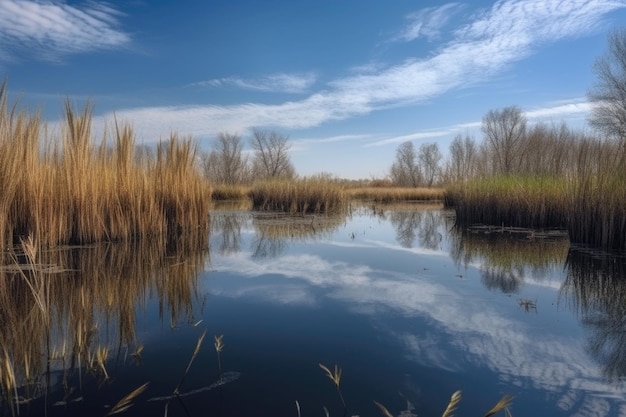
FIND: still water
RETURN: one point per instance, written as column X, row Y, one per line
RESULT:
column 408, row 307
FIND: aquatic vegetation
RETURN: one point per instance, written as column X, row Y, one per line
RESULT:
column 127, row 402
column 502, row 405
column 193, row 357
column 64, row 188
column 396, row 194
column 335, row 376
column 219, row 345
column 302, row 195
column 586, row 199
column 222, row 192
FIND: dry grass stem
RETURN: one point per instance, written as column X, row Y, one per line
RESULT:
column 383, row 409
column 193, row 357
column 126, row 402
column 454, row 402
column 502, row 404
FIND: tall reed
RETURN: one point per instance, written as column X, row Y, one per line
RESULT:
column 304, row 195
column 396, row 194
column 67, row 188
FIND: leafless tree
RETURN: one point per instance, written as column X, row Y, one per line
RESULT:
column 429, row 158
column 226, row 163
column 271, row 155
column 405, row 171
column 461, row 165
column 504, row 131
column 609, row 92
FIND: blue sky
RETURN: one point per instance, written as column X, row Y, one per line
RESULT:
column 347, row 80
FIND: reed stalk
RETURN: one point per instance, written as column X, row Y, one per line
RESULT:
column 67, row 188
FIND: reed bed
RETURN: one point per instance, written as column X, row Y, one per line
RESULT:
column 591, row 208
column 597, row 211
column 302, row 196
column 66, row 189
column 511, row 201
column 396, row 194
column 222, row 192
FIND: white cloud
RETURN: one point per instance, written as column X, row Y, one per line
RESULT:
column 49, row 29
column 562, row 110
column 281, row 83
column 427, row 22
column 578, row 108
column 493, row 40
column 427, row 134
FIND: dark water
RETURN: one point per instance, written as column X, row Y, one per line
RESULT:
column 409, row 308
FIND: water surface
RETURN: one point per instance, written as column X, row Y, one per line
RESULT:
column 410, row 308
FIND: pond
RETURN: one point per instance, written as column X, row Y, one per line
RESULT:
column 407, row 307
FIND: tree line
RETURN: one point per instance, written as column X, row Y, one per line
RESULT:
column 510, row 145
column 228, row 163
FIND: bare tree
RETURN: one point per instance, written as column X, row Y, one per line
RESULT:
column 405, row 171
column 271, row 155
column 608, row 95
column 461, row 165
column 226, row 164
column 504, row 132
column 429, row 158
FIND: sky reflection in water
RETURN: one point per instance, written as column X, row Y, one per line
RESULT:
column 448, row 302
column 409, row 307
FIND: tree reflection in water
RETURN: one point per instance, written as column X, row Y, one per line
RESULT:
column 421, row 221
column 507, row 257
column 274, row 231
column 595, row 287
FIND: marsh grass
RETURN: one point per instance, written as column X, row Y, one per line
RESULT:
column 221, row 192
column 586, row 199
column 301, row 196
column 511, row 201
column 65, row 188
column 502, row 405
column 396, row 194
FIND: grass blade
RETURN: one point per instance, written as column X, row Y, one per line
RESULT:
column 126, row 402
column 454, row 401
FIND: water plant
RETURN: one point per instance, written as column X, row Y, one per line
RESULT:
column 127, row 401
column 219, row 345
column 65, row 188
column 193, row 357
column 396, row 194
column 335, row 376
column 502, row 405
column 302, row 195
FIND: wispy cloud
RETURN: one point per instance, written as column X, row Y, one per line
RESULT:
column 427, row 134
column 281, row 83
column 492, row 40
column 50, row 29
column 575, row 108
column 427, row 22
column 562, row 110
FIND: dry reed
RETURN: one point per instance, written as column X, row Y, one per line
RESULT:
column 395, row 194
column 70, row 190
column 305, row 195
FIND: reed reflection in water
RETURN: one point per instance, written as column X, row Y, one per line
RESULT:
column 72, row 309
column 507, row 258
column 595, row 287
